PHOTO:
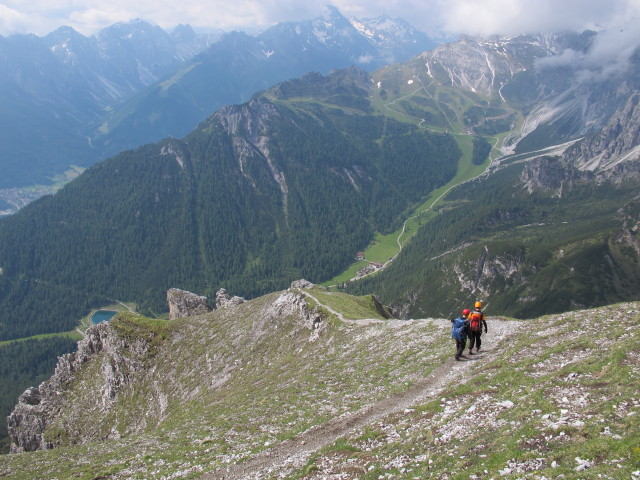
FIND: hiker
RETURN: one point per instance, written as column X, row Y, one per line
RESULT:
column 476, row 324
column 459, row 331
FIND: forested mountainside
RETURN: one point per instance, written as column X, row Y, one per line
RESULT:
column 259, row 195
column 305, row 383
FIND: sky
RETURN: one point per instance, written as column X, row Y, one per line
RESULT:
column 474, row 17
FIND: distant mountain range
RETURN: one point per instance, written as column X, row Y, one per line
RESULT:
column 69, row 100
column 58, row 88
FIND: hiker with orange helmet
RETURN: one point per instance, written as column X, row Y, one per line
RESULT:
column 459, row 331
column 476, row 323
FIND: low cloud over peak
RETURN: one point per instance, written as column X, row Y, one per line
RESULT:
column 470, row 17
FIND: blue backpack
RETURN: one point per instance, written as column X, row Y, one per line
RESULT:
column 459, row 329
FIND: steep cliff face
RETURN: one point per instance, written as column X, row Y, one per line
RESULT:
column 482, row 276
column 614, row 152
column 247, row 126
column 116, row 360
column 551, row 174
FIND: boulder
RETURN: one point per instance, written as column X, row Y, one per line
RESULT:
column 302, row 283
column 186, row 304
column 224, row 300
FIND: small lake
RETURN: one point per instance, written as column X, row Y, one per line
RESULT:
column 102, row 316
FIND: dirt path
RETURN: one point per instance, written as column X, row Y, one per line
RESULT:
column 296, row 452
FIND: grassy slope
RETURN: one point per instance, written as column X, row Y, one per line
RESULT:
column 236, row 381
column 226, row 385
column 564, row 392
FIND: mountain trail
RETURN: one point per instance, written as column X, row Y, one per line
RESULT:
column 294, row 453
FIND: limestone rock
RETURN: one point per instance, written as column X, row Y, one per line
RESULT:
column 186, row 304
column 38, row 407
column 294, row 304
column 224, row 300
column 302, row 283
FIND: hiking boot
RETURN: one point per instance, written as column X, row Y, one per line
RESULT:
column 470, row 352
column 458, row 357
column 478, row 349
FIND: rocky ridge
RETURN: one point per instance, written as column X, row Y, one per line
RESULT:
column 119, row 359
column 553, row 397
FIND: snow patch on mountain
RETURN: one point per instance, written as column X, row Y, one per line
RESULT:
column 362, row 28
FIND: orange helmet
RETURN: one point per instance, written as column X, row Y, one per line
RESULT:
column 478, row 305
column 466, row 311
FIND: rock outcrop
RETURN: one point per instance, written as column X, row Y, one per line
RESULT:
column 224, row 300
column 294, row 304
column 550, row 173
column 615, row 151
column 302, row 283
column 612, row 155
column 38, row 407
column 186, row 304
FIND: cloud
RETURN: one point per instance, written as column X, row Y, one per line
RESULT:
column 476, row 17
column 90, row 16
column 12, row 21
column 507, row 17
column 609, row 56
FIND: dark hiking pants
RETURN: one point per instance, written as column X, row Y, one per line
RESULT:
column 475, row 339
column 460, row 344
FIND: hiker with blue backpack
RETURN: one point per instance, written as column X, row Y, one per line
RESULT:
column 459, row 332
